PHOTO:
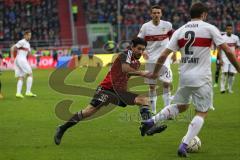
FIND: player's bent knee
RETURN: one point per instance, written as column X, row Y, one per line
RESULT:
column 141, row 100
column 182, row 107
column 202, row 114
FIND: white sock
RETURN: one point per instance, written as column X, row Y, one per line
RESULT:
column 230, row 82
column 29, row 84
column 223, row 80
column 19, row 86
column 166, row 96
column 153, row 100
column 193, row 128
column 166, row 113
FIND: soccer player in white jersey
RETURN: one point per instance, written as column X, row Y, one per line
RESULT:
column 22, row 67
column 228, row 70
column 193, row 40
column 157, row 33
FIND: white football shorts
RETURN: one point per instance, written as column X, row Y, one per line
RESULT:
column 165, row 74
column 202, row 97
column 22, row 67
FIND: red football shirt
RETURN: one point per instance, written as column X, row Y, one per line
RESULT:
column 116, row 79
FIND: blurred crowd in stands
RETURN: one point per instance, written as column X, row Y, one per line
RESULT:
column 135, row 12
column 41, row 16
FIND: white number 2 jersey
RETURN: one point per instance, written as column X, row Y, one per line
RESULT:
column 23, row 48
column 194, row 40
column 157, row 38
column 232, row 41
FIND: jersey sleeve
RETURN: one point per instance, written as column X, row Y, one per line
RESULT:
column 173, row 43
column 170, row 31
column 141, row 33
column 238, row 41
column 216, row 36
column 126, row 57
column 19, row 44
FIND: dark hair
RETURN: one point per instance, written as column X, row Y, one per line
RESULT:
column 197, row 9
column 155, row 7
column 229, row 25
column 26, row 31
column 138, row 41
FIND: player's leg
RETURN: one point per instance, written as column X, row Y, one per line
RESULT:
column 181, row 99
column 76, row 118
column 193, row 130
column 217, row 72
column 101, row 98
column 231, row 77
column 170, row 112
column 20, row 74
column 223, row 81
column 166, row 93
column 129, row 98
column 29, row 83
column 166, row 78
column 143, row 102
column 26, row 68
column 202, row 99
column 19, row 87
column 152, row 88
column 153, row 98
column 230, row 82
column 181, row 103
column 225, row 69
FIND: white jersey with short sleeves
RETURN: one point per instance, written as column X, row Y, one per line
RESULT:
column 22, row 67
column 157, row 38
column 194, row 40
column 23, row 48
column 232, row 42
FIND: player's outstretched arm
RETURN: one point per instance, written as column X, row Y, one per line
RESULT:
column 160, row 62
column 230, row 55
column 126, row 68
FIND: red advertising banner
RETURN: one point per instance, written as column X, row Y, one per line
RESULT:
column 45, row 62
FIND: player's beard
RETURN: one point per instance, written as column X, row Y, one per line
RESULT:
column 137, row 56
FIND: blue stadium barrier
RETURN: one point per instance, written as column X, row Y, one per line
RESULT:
column 63, row 61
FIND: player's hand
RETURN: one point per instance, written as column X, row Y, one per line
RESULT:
column 145, row 73
column 145, row 55
column 154, row 76
column 151, row 76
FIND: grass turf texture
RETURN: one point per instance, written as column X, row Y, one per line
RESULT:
column 27, row 126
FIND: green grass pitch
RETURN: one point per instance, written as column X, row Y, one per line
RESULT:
column 27, row 126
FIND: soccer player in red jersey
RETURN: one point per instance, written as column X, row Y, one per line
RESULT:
column 113, row 89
